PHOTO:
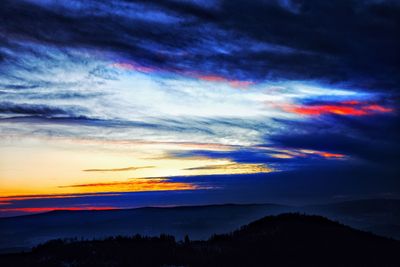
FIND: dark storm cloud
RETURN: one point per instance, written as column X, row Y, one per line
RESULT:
column 355, row 42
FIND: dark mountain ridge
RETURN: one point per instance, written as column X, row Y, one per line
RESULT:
column 380, row 216
column 282, row 240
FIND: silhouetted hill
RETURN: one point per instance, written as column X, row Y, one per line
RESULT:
column 23, row 232
column 380, row 216
column 308, row 240
column 283, row 240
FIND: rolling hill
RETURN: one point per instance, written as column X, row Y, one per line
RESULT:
column 283, row 240
column 199, row 222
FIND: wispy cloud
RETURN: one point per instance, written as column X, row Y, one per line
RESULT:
column 51, row 196
column 137, row 185
column 352, row 108
column 118, row 169
column 233, row 168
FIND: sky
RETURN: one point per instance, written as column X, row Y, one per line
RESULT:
column 121, row 104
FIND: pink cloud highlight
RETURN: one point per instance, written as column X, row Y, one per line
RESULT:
column 346, row 108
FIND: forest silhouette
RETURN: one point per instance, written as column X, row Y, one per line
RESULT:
column 290, row 239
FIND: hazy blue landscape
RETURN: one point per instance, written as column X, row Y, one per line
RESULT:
column 379, row 216
column 289, row 239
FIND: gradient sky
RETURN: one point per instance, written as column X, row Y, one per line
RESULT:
column 117, row 104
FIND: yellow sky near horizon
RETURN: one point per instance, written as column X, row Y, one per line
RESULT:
column 65, row 166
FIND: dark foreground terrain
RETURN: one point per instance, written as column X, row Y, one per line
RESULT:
column 380, row 216
column 283, row 240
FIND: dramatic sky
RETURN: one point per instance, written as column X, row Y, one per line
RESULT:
column 118, row 103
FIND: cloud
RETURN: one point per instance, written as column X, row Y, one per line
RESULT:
column 233, row 168
column 227, row 41
column 34, row 109
column 352, row 108
column 369, row 138
column 51, row 196
column 118, row 169
column 264, row 158
column 137, row 185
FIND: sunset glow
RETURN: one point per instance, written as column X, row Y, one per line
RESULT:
column 131, row 103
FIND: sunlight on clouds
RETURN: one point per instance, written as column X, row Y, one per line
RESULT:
column 133, row 185
column 63, row 166
column 230, row 168
column 91, row 118
column 321, row 153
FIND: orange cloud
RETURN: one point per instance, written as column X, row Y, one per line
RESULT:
column 321, row 153
column 325, row 109
column 6, row 199
column 137, row 185
column 330, row 155
column 353, row 108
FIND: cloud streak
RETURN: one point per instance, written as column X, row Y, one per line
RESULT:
column 137, row 185
column 118, row 169
column 349, row 108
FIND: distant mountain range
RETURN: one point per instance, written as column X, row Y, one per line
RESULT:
column 380, row 216
column 283, row 240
